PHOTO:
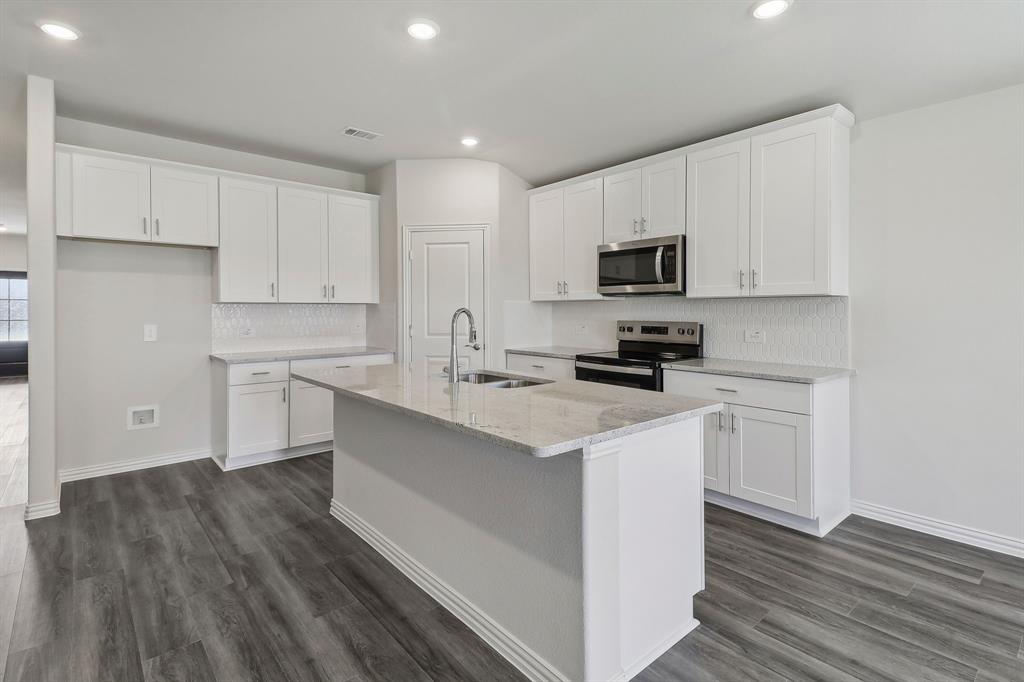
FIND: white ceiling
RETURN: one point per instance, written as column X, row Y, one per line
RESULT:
column 552, row 89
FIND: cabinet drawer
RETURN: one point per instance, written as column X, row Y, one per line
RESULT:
column 342, row 362
column 257, row 373
column 549, row 368
column 772, row 395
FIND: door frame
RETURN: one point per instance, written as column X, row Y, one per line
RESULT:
column 406, row 312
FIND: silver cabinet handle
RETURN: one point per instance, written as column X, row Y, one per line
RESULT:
column 256, row 374
column 726, row 390
column 332, row 292
column 734, row 423
column 643, row 224
column 741, row 279
column 156, row 226
column 537, row 366
column 342, row 366
column 753, row 278
column 559, row 285
column 271, row 290
column 144, row 225
column 565, row 287
column 635, row 231
column 284, row 394
column 721, row 426
column 325, row 291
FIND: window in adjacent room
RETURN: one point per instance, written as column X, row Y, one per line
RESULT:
column 13, row 307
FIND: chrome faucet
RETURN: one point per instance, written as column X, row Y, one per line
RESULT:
column 453, row 357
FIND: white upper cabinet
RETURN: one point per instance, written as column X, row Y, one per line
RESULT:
column 546, row 245
column 663, row 209
column 247, row 257
column 789, row 210
column 184, row 206
column 718, row 220
column 110, row 198
column 353, row 247
column 301, row 245
column 622, row 206
column 583, row 232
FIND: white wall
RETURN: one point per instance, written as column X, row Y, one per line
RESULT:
column 107, row 291
column 937, row 297
column 382, row 319
column 13, row 256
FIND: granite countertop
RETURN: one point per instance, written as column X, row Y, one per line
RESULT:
column 296, row 354
column 803, row 374
column 564, row 352
column 544, row 420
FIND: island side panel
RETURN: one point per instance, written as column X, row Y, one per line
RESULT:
column 643, row 539
column 498, row 527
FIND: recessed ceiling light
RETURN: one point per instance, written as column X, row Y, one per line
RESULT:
column 770, row 8
column 3, row 228
column 423, row 29
column 59, row 31
column 470, row 141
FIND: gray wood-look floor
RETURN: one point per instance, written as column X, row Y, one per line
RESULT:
column 13, row 440
column 187, row 573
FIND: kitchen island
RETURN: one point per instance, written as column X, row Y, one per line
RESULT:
column 562, row 521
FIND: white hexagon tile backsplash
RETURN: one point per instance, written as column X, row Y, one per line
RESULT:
column 806, row 331
column 286, row 325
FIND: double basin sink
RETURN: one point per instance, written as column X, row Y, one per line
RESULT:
column 498, row 380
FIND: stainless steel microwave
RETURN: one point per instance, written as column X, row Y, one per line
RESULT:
column 642, row 266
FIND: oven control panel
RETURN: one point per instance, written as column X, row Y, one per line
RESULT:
column 666, row 332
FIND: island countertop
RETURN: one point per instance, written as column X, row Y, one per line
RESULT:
column 544, row 420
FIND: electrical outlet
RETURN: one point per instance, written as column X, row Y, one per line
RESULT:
column 580, row 329
column 143, row 417
column 248, row 332
column 753, row 335
column 358, row 326
column 149, row 332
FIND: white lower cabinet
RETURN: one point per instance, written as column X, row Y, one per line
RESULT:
column 257, row 418
column 784, row 456
column 548, row 368
column 261, row 414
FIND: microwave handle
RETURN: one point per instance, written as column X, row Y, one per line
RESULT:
column 658, row 259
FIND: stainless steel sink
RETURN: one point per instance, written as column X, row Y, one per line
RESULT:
column 516, row 383
column 481, row 377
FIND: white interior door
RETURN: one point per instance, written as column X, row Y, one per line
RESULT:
column 446, row 272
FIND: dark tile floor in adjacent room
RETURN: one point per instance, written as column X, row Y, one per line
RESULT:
column 187, row 573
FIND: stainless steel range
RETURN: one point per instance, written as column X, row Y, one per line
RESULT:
column 643, row 348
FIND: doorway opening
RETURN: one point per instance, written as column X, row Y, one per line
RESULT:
column 13, row 389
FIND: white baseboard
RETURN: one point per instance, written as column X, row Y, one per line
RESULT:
column 817, row 527
column 943, row 529
column 41, row 510
column 94, row 470
column 654, row 654
column 518, row 654
column 273, row 456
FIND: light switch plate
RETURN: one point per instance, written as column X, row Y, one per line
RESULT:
column 753, row 335
column 149, row 332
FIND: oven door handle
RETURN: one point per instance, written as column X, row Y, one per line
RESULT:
column 615, row 369
column 658, row 265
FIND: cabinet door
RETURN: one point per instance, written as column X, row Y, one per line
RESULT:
column 664, row 198
column 583, row 231
column 354, row 250
column 716, row 451
column 789, row 228
column 546, row 245
column 247, row 257
column 622, row 206
column 301, row 245
column 184, row 207
column 770, row 459
column 257, row 418
column 718, row 221
column 110, row 198
column 311, row 414
column 62, row 194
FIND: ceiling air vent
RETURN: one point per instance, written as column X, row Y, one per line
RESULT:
column 361, row 134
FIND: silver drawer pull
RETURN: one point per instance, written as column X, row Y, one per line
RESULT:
column 256, row 374
column 342, row 366
column 537, row 366
column 726, row 390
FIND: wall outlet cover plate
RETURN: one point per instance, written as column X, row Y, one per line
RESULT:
column 753, row 335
